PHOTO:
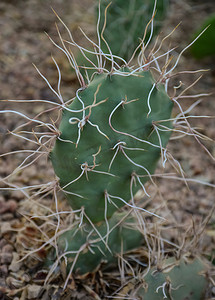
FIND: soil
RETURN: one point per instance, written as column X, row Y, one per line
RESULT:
column 188, row 209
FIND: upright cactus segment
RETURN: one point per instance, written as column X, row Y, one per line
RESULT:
column 175, row 280
column 126, row 23
column 109, row 146
column 110, row 143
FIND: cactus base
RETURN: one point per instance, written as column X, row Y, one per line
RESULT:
column 84, row 249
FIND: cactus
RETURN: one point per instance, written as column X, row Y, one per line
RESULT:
column 175, row 280
column 126, row 23
column 84, row 245
column 108, row 139
column 130, row 20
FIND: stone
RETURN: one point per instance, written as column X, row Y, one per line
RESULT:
column 33, row 291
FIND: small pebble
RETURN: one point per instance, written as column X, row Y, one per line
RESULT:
column 8, row 206
column 33, row 291
column 3, row 287
column 18, row 195
column 7, row 248
column 7, row 217
column 13, row 282
column 3, row 242
column 15, row 264
column 6, row 258
column 5, row 227
column 3, row 270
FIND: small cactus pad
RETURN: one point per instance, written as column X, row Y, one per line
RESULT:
column 111, row 141
column 175, row 280
column 130, row 20
column 83, row 245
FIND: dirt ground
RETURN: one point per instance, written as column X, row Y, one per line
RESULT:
column 189, row 209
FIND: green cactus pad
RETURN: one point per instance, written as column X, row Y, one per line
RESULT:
column 126, row 23
column 176, row 280
column 92, row 250
column 94, row 172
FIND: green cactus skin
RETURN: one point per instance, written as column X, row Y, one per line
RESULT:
column 178, row 280
column 130, row 20
column 126, row 23
column 121, row 238
column 205, row 44
column 115, row 116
